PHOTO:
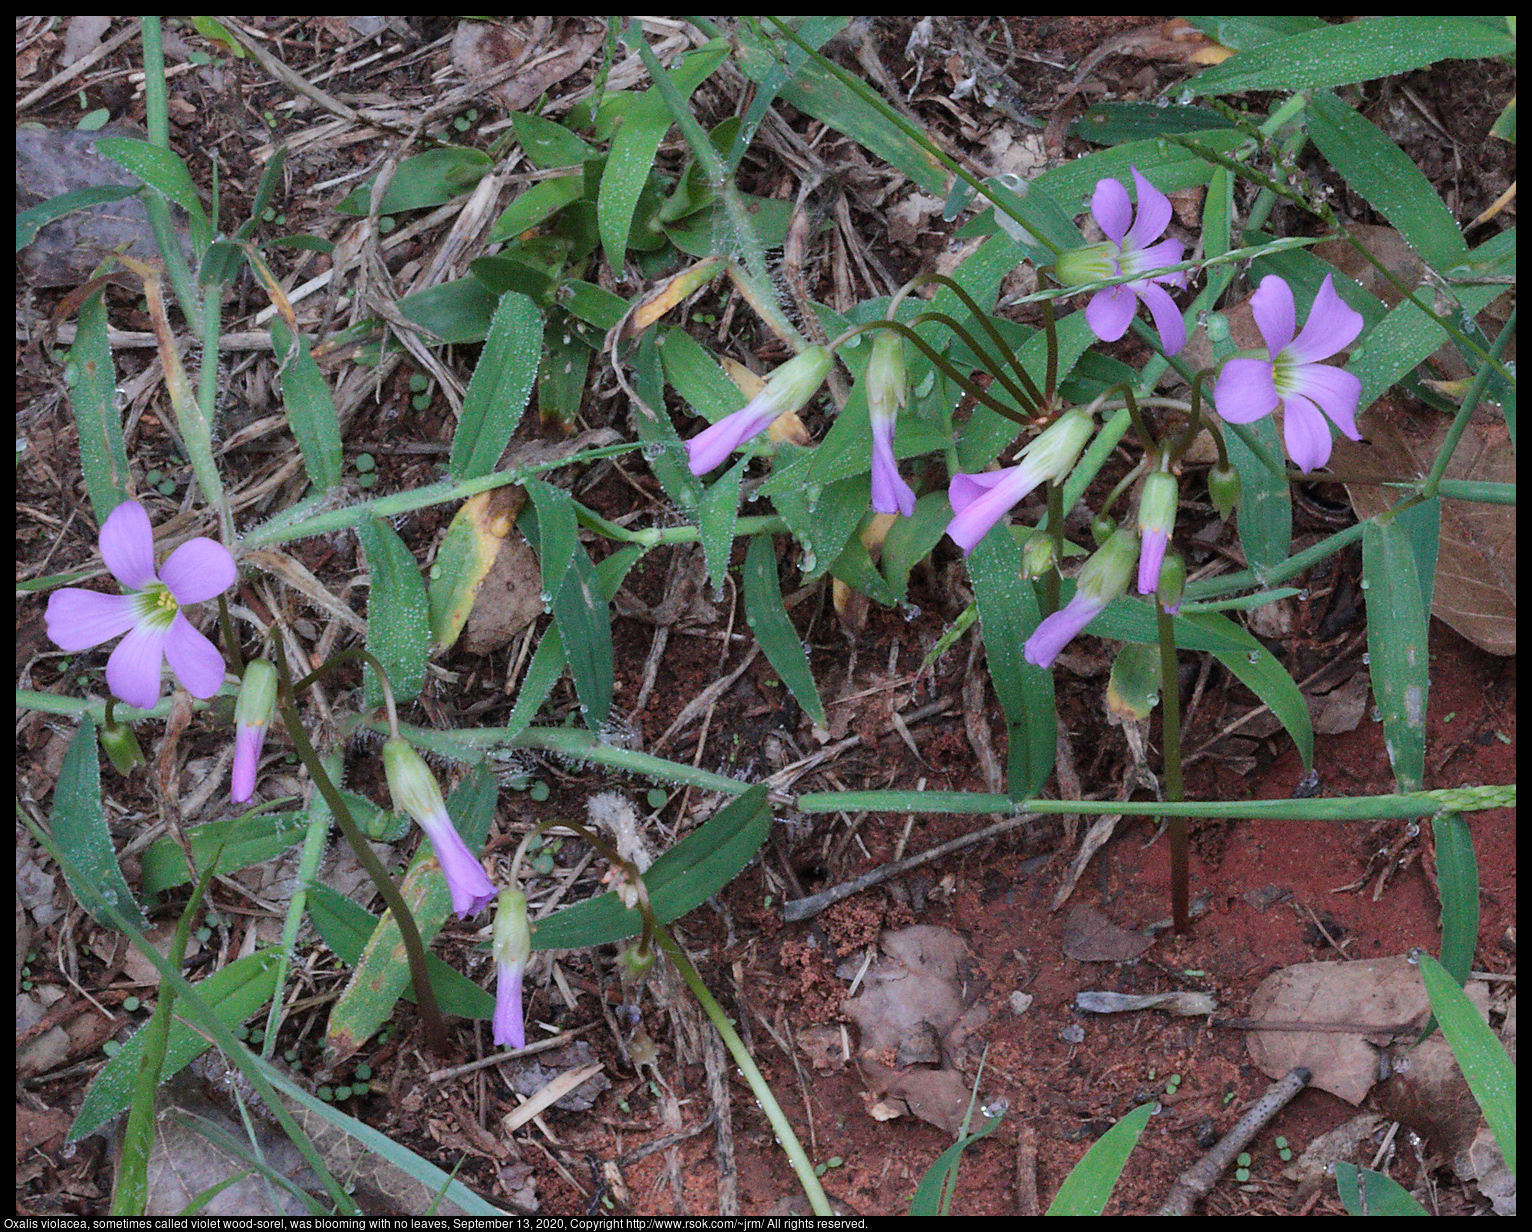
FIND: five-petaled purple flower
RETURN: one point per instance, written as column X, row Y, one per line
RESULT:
column 1310, row 392
column 150, row 614
column 1130, row 250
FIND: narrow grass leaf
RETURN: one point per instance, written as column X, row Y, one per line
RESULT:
column 1365, row 1192
column 537, row 683
column 538, row 204
column 346, row 927
column 498, row 391
column 1090, row 1182
column 681, row 880
column 635, row 145
column 1387, row 179
column 382, row 969
column 233, row 993
column 1008, row 613
column 663, row 448
column 1397, row 627
column 1487, row 1069
column 92, row 380
column 910, row 540
column 79, row 827
column 309, row 407
column 423, row 181
column 548, row 145
column 717, row 516
column 164, row 172
column 30, row 222
column 1265, row 500
column 928, row 1194
column 1356, row 51
column 1457, row 886
column 235, row 843
column 398, row 614
column 766, row 614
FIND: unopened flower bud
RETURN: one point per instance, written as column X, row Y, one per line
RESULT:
column 1156, row 518
column 512, row 946
column 122, row 748
column 634, row 964
column 1037, row 555
column 1102, row 528
column 1172, row 584
column 1223, row 489
column 252, row 714
column 415, row 791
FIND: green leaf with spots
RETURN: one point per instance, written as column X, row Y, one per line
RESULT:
column 1398, row 623
column 501, row 384
column 766, row 614
column 398, row 614
column 79, row 827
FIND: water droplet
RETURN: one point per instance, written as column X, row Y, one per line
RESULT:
column 71, row 373
column 1254, row 656
column 546, row 598
column 1377, row 715
column 1366, row 658
column 853, row 342
column 109, row 896
column 1302, row 595
column 1413, row 955
column 654, row 449
column 1152, row 700
column 1366, row 585
column 909, row 611
column 809, row 561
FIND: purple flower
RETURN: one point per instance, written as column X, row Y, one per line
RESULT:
column 1310, row 392
column 415, row 792
column 1156, row 519
column 252, row 714
column 512, row 946
column 1129, row 250
column 979, row 501
column 1103, row 577
column 150, row 614
column 885, row 395
column 789, row 388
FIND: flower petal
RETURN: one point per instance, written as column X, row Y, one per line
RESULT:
column 713, row 444
column 1109, row 312
column 982, row 500
column 1335, row 390
column 890, row 494
column 1306, row 432
column 508, row 1025
column 196, row 661
column 1167, row 252
column 133, row 671
column 248, row 738
column 467, row 882
column 1332, row 326
column 1272, row 307
column 1110, row 207
column 1244, row 391
column 1167, row 317
column 1058, row 630
column 1151, row 554
column 127, row 545
column 1153, row 214
column 198, row 570
column 79, row 619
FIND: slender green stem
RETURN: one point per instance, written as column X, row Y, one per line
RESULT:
column 1170, row 711
column 1470, row 401
column 786, row 1137
column 414, row 949
column 157, row 124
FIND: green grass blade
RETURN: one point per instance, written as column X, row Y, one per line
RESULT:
column 1356, row 51
column 928, row 1194
column 1387, row 179
column 92, row 380
column 1457, row 885
column 233, row 994
column 398, row 614
column 310, row 408
column 1265, row 500
column 79, row 827
column 1482, row 1058
column 163, row 171
column 236, row 843
column 717, row 516
column 382, row 968
column 681, row 880
column 498, row 391
column 1090, row 1183
column 423, row 181
column 766, row 614
column 1397, row 628
column 1365, row 1192
column 1008, row 613
column 30, row 222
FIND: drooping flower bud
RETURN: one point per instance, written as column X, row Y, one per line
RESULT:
column 1037, row 555
column 1156, row 519
column 1223, row 489
column 634, row 964
column 252, row 714
column 1102, row 578
column 121, row 745
column 789, row 388
column 415, row 791
column 886, row 393
column 512, row 946
column 1172, row 587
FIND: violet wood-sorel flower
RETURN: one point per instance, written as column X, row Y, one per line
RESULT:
column 1156, row 519
column 789, row 388
column 415, row 791
column 252, row 714
column 150, row 614
column 981, row 500
column 512, row 946
column 1102, row 578
column 1129, row 250
column 1310, row 392
column 886, row 393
